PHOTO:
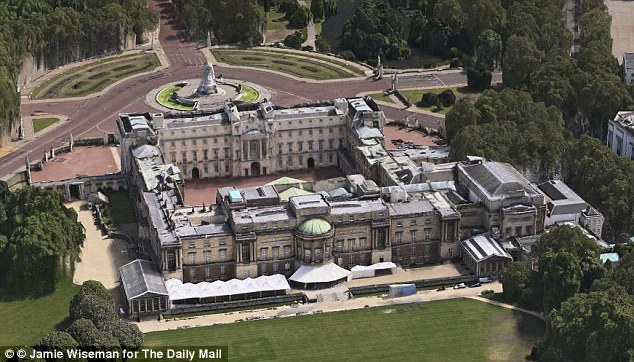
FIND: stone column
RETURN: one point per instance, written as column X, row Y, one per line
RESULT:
column 70, row 142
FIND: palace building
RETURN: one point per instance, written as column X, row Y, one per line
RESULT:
column 390, row 206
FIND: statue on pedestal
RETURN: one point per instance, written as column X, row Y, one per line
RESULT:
column 378, row 71
column 394, row 81
column 208, row 82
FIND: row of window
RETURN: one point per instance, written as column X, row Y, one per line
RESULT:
column 412, row 235
column 320, row 160
column 207, row 256
column 264, row 252
column 310, row 145
column 351, row 244
column 413, row 222
column 207, row 243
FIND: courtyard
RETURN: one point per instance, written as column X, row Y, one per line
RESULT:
column 84, row 161
column 449, row 330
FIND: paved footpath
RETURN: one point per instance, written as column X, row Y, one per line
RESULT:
column 322, row 307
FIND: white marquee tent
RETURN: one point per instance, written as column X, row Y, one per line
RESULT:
column 360, row 271
column 179, row 291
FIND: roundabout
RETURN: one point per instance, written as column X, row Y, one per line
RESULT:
column 207, row 92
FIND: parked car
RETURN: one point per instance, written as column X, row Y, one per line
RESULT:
column 440, row 289
column 484, row 280
column 460, row 286
column 475, row 285
column 487, row 291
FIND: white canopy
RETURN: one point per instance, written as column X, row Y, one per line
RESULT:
column 377, row 266
column 179, row 291
column 319, row 274
column 361, row 271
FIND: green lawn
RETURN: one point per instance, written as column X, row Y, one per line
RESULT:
column 121, row 208
column 26, row 321
column 381, row 97
column 249, row 94
column 93, row 77
column 415, row 95
column 450, row 330
column 298, row 65
column 163, row 97
column 41, row 123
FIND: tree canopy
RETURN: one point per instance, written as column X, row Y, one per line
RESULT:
column 39, row 236
column 59, row 32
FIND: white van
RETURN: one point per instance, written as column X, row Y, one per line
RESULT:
column 484, row 280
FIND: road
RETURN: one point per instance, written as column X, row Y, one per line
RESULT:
column 96, row 115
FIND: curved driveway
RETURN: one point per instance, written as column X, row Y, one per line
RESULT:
column 96, row 115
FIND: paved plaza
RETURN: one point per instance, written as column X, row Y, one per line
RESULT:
column 406, row 134
column 85, row 161
column 101, row 256
column 622, row 27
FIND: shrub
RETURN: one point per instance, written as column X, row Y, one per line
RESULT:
column 455, row 63
column 307, row 48
column 429, row 99
column 128, row 334
column 447, row 98
column 322, row 45
column 293, row 41
column 348, row 55
column 479, row 78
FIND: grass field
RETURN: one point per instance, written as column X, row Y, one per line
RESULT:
column 381, row 97
column 163, row 97
column 41, row 123
column 249, row 94
column 415, row 95
column 94, row 77
column 451, row 330
column 121, row 208
column 26, row 321
column 286, row 62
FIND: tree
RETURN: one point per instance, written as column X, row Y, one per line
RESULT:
column 435, row 37
column 575, row 242
column 60, row 341
column 597, row 326
column 450, row 13
column 484, row 14
column 561, row 277
column 90, row 338
column 322, row 45
column 479, row 78
column 40, row 234
column 521, row 58
column 300, row 18
column 293, row 41
column 464, row 113
column 515, row 279
column 489, row 48
column 127, row 334
column 91, row 307
column 93, row 287
column 317, row 9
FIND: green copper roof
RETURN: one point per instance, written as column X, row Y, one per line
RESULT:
column 293, row 191
column 315, row 227
column 286, row 181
